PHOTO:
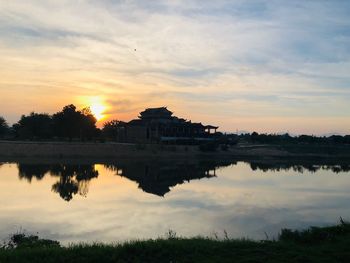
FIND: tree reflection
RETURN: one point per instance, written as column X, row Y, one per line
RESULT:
column 30, row 171
column 66, row 187
column 299, row 168
column 73, row 179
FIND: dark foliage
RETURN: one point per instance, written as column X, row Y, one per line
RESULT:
column 314, row 235
column 70, row 123
column 113, row 129
column 24, row 241
column 66, row 124
column 4, row 128
column 257, row 138
column 34, row 126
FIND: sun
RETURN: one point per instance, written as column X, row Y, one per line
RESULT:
column 97, row 105
column 97, row 109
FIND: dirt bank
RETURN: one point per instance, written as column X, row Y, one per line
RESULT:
column 62, row 150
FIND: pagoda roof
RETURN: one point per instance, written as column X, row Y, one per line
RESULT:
column 156, row 111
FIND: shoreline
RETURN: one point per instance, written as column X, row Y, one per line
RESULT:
column 110, row 150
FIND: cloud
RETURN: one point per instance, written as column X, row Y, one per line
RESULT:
column 247, row 58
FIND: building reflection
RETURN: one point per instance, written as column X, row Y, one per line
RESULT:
column 157, row 177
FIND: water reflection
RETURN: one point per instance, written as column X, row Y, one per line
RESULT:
column 297, row 167
column 154, row 177
column 246, row 198
column 30, row 171
column 158, row 177
column 72, row 179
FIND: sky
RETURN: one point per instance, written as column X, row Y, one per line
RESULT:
column 257, row 65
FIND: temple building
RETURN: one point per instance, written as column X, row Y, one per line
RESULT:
column 155, row 125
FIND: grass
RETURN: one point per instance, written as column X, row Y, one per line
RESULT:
column 326, row 244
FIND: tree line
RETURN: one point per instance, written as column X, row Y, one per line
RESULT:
column 264, row 138
column 72, row 124
column 69, row 123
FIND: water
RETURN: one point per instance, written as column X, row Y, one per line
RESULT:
column 137, row 199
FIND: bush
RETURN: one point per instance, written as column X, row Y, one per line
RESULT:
column 315, row 234
column 21, row 240
column 209, row 146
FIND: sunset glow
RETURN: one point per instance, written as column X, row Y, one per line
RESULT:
column 260, row 66
column 97, row 110
column 97, row 106
column 126, row 124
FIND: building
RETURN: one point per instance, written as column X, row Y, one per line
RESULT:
column 155, row 125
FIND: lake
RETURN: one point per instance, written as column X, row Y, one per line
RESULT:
column 137, row 199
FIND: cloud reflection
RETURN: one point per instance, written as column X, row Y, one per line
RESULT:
column 242, row 201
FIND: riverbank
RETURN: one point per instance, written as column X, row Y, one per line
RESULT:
column 62, row 150
column 325, row 244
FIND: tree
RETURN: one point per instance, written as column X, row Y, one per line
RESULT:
column 34, row 126
column 4, row 128
column 254, row 137
column 70, row 123
column 112, row 129
column 66, row 122
column 87, row 124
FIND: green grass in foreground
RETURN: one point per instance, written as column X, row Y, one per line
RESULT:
column 327, row 244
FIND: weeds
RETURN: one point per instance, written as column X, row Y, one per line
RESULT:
column 171, row 234
column 21, row 240
column 316, row 234
column 324, row 244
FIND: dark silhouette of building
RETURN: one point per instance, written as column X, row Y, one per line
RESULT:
column 159, row 177
column 156, row 125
